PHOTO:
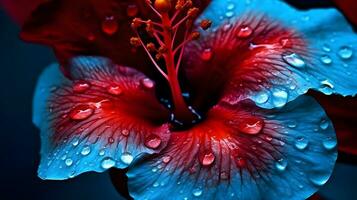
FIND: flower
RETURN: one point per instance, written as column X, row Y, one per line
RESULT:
column 241, row 127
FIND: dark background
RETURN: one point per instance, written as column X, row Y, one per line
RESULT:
column 21, row 65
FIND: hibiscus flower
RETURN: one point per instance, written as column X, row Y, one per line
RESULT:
column 215, row 110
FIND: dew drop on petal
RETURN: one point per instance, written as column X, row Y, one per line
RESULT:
column 114, row 90
column 345, row 52
column 229, row 14
column 329, row 143
column 197, row 192
column 244, row 32
column 240, row 162
column 166, row 159
column 294, row 60
column 325, row 59
column 80, row 86
column 107, row 163
column 230, row 6
column 280, row 98
column 324, row 124
column 111, row 140
column 207, row 158
column 75, row 142
column 262, row 97
column 147, row 83
column 281, row 164
column 85, row 151
column 68, row 162
column 251, row 126
column 126, row 158
column 125, row 132
column 81, row 112
column 301, row 143
column 110, row 25
column 207, row 54
column 153, row 141
column 132, row 10
column 319, row 179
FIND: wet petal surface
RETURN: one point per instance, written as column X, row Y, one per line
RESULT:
column 104, row 118
column 241, row 152
column 254, row 52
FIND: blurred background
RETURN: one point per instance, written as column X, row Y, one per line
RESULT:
column 21, row 64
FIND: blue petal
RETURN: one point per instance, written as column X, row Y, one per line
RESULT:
column 111, row 135
column 291, row 158
column 331, row 66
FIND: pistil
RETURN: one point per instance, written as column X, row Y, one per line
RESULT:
column 165, row 34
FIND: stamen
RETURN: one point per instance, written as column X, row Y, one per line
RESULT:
column 164, row 32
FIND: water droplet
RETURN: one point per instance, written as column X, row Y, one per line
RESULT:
column 125, row 132
column 326, row 48
column 147, row 83
column 326, row 59
column 230, row 6
column 229, row 14
column 80, row 86
column 292, row 124
column 126, row 158
column 110, row 25
column 240, row 162
column 301, row 143
column 166, row 159
column 281, row 164
column 111, row 140
column 114, row 90
column 156, row 184
column 244, row 32
column 251, row 125
column 329, row 143
column 324, row 124
column 207, row 158
column 262, row 97
column 280, row 98
column 319, row 179
column 81, row 112
column 132, row 10
column 101, row 152
column 68, row 162
column 153, row 141
column 197, row 192
column 327, row 83
column 345, row 52
column 294, row 60
column 75, row 142
column 107, row 163
column 268, row 138
column 207, row 54
column 85, row 151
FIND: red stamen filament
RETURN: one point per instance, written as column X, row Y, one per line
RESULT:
column 165, row 37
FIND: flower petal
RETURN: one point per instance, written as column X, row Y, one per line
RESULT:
column 256, row 52
column 241, row 152
column 96, row 27
column 105, row 117
column 19, row 10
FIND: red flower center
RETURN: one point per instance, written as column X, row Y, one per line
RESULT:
column 170, row 49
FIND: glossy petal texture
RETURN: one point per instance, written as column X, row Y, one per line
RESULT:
column 290, row 155
column 271, row 58
column 94, row 27
column 104, row 118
